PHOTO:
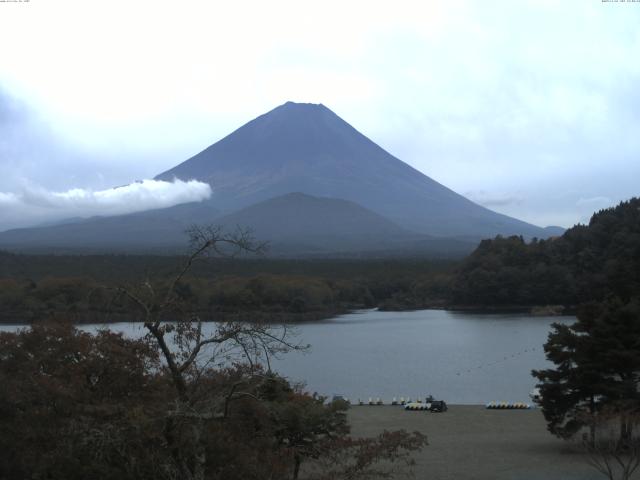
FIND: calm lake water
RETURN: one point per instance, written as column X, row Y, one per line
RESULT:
column 460, row 357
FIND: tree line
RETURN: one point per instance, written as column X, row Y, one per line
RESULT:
column 276, row 290
column 587, row 263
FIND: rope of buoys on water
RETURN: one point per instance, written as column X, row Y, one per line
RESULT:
column 504, row 359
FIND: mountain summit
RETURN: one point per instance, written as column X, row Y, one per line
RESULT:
column 302, row 147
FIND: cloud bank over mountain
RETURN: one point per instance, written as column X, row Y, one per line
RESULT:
column 34, row 202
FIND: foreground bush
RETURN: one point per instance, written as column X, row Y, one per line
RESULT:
column 75, row 406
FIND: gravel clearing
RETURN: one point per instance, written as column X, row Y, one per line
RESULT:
column 471, row 442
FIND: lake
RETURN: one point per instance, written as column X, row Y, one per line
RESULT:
column 463, row 358
column 459, row 357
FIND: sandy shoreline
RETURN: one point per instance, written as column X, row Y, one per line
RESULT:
column 471, row 442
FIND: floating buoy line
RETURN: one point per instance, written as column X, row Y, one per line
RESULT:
column 505, row 358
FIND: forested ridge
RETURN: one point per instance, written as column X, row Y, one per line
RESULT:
column 80, row 288
column 587, row 263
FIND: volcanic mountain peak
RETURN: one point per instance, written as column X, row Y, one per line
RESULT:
column 302, row 106
column 289, row 138
column 301, row 147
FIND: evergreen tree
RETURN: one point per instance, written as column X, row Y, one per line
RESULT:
column 597, row 364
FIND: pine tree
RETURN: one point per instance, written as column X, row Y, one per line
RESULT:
column 597, row 364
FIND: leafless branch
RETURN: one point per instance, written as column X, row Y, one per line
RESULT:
column 614, row 453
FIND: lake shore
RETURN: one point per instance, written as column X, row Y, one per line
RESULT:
column 278, row 317
column 106, row 318
column 536, row 310
column 471, row 442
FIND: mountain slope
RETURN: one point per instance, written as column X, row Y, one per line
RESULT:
column 149, row 230
column 302, row 222
column 297, row 215
column 308, row 148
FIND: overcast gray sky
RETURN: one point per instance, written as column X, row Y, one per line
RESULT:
column 531, row 108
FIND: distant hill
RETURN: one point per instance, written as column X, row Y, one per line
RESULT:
column 297, row 216
column 587, row 263
column 299, row 223
column 307, row 148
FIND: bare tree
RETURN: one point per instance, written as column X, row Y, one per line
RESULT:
column 188, row 351
column 615, row 449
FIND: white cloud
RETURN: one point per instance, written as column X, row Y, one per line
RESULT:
column 34, row 203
